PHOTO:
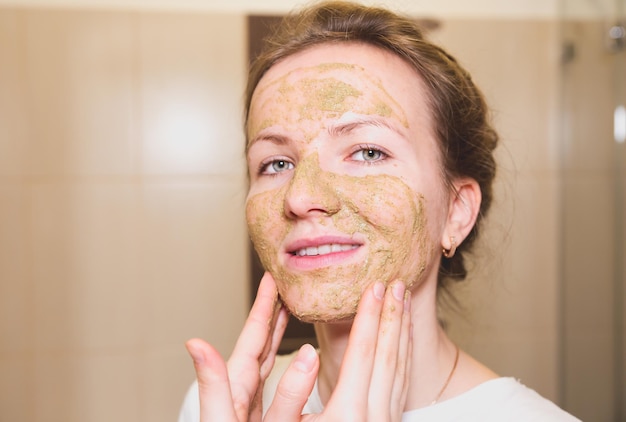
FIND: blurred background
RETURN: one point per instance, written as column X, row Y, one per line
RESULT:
column 122, row 181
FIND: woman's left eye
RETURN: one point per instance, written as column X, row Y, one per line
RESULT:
column 368, row 154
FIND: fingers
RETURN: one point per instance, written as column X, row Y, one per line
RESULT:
column 295, row 386
column 358, row 362
column 268, row 355
column 384, row 373
column 257, row 329
column 403, row 366
column 213, row 384
column 375, row 369
column 233, row 391
column 253, row 356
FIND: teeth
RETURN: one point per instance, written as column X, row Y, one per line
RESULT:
column 324, row 249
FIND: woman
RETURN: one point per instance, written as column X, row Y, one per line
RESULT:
column 370, row 159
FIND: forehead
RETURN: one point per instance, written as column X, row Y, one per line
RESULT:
column 332, row 77
column 328, row 87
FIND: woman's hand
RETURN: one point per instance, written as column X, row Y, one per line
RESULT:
column 233, row 391
column 373, row 379
column 374, row 376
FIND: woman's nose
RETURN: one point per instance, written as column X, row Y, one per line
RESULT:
column 311, row 192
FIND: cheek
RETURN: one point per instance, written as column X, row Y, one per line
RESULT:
column 267, row 225
column 392, row 216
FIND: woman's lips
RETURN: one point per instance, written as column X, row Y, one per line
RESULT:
column 311, row 254
column 324, row 249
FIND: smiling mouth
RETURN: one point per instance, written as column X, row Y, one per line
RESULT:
column 324, row 249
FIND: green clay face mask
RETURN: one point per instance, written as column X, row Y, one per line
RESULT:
column 318, row 93
column 380, row 212
column 381, row 209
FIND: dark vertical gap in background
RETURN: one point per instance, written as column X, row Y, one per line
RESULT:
column 297, row 333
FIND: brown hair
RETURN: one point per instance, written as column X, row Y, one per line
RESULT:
column 460, row 114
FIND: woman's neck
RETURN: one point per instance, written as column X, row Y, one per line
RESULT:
column 432, row 357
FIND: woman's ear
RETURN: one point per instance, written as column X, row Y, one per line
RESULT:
column 463, row 210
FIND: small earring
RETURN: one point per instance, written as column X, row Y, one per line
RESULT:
column 449, row 253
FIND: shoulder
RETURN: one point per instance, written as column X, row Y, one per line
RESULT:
column 523, row 403
column 500, row 399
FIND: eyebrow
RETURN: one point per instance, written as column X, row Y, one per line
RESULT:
column 273, row 138
column 347, row 127
column 334, row 130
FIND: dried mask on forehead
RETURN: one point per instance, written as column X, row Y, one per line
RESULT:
column 320, row 92
column 382, row 209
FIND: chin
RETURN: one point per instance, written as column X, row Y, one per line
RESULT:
column 325, row 317
column 327, row 303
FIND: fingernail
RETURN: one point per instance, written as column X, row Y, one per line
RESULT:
column 398, row 290
column 305, row 359
column 379, row 290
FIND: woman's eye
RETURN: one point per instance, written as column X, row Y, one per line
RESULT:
column 276, row 166
column 368, row 154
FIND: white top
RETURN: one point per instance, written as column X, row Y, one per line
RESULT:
column 497, row 400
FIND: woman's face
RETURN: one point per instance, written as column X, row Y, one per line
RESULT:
column 345, row 182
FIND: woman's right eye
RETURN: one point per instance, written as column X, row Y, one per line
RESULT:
column 276, row 166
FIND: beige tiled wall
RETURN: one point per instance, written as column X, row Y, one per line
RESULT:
column 591, row 209
column 121, row 219
column 509, row 315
